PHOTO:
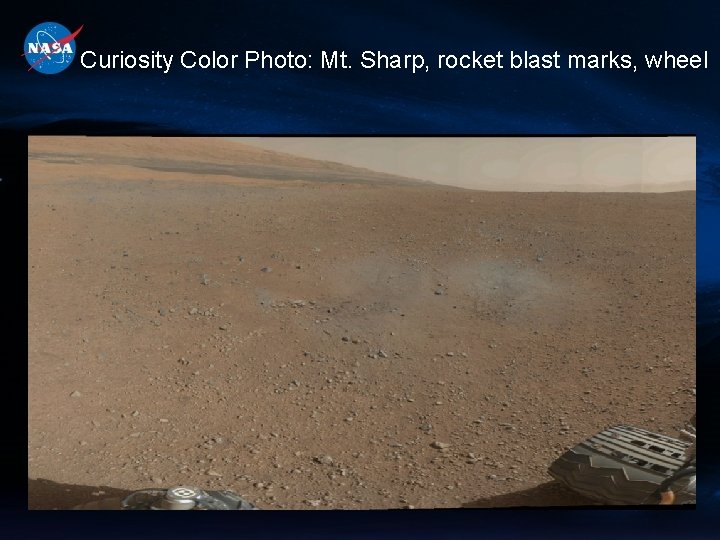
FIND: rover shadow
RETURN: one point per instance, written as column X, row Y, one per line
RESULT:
column 48, row 495
column 547, row 494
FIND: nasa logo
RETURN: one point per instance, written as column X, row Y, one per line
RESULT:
column 50, row 48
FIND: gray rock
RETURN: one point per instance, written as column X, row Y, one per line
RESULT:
column 440, row 445
column 205, row 280
column 76, row 394
column 382, row 354
column 266, row 269
column 323, row 460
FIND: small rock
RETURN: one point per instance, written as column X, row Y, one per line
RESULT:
column 266, row 269
column 439, row 292
column 193, row 311
column 211, row 472
column 224, row 327
column 382, row 354
column 345, row 338
column 205, row 280
column 323, row 460
column 162, row 312
column 440, row 445
column 316, row 502
column 76, row 394
column 135, row 413
column 164, row 420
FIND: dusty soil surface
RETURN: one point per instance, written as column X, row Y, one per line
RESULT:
column 304, row 333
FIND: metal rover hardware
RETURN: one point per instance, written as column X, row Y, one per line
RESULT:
column 630, row 466
column 174, row 498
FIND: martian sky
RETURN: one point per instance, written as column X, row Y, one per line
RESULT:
column 625, row 164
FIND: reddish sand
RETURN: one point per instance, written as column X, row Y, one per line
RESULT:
column 391, row 314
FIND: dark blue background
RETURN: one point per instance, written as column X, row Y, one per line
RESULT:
column 472, row 102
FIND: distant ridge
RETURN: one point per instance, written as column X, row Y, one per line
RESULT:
column 202, row 155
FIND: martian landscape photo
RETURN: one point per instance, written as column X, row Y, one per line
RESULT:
column 351, row 323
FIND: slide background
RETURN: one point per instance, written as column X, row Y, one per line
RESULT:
column 367, row 102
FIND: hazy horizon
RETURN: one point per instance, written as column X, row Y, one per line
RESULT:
column 626, row 164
